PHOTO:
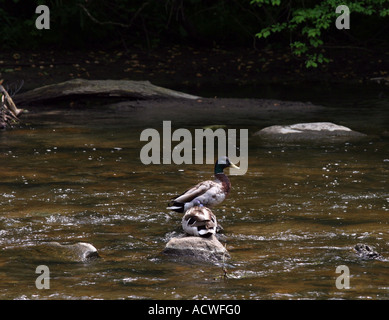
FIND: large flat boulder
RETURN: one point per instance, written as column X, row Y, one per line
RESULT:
column 309, row 132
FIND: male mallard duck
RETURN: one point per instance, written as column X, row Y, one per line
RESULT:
column 207, row 193
column 199, row 221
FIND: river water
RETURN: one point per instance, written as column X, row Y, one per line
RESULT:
column 74, row 175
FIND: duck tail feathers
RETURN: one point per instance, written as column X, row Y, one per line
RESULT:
column 176, row 206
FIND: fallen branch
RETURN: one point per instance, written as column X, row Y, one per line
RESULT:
column 113, row 22
column 100, row 88
column 8, row 111
column 381, row 79
column 8, row 102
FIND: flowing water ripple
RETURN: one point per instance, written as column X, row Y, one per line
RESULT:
column 288, row 223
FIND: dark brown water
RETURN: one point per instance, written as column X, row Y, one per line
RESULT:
column 75, row 176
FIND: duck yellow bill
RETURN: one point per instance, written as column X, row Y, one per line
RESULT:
column 234, row 166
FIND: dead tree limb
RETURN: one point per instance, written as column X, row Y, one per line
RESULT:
column 381, row 80
column 9, row 103
column 113, row 22
column 100, row 88
column 8, row 111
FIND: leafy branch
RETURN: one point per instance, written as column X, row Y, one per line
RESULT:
column 307, row 26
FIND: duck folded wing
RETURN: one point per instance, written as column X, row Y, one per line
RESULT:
column 207, row 223
column 192, row 193
column 208, row 193
column 199, row 221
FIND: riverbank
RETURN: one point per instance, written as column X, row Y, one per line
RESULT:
column 181, row 67
column 224, row 73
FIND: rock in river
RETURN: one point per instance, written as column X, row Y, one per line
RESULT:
column 54, row 251
column 209, row 249
column 365, row 252
column 309, row 132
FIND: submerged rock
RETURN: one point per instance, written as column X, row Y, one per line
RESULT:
column 209, row 249
column 310, row 132
column 79, row 252
column 366, row 253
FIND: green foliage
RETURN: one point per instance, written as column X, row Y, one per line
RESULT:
column 304, row 25
column 308, row 22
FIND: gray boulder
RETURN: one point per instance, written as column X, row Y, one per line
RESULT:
column 78, row 252
column 208, row 249
column 309, row 132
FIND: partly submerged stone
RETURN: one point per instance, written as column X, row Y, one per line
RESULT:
column 78, row 252
column 310, row 132
column 366, row 253
column 209, row 249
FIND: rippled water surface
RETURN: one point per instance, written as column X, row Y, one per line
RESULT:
column 72, row 175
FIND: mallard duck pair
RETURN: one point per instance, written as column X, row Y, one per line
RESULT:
column 198, row 219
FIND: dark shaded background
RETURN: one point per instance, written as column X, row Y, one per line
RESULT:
column 178, row 42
